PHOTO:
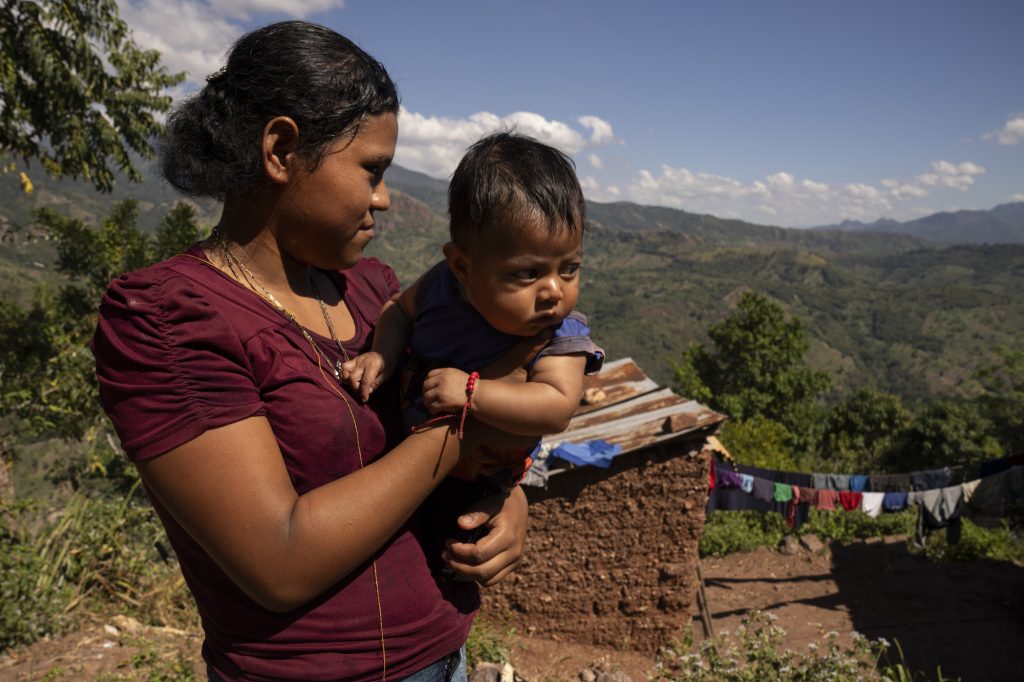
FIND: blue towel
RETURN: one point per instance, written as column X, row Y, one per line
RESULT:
column 597, row 453
column 894, row 502
column 858, row 482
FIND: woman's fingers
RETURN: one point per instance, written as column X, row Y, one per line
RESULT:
column 501, row 550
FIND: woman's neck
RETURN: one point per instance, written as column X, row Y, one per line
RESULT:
column 251, row 235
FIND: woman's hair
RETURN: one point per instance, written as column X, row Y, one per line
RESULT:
column 319, row 78
column 507, row 181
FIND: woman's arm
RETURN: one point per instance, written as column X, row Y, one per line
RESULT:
column 229, row 489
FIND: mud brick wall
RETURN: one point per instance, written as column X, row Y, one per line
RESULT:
column 612, row 553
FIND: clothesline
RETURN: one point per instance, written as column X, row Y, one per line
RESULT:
column 792, row 494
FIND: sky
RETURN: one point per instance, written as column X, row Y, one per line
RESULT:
column 778, row 112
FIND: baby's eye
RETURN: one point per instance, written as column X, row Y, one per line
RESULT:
column 525, row 274
column 571, row 269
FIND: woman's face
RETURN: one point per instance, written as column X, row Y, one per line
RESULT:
column 326, row 217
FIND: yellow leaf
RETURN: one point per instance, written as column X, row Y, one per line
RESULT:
column 26, row 184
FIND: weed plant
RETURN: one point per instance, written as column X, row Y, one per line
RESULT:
column 754, row 653
column 95, row 556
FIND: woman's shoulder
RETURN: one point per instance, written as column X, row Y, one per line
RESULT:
column 180, row 277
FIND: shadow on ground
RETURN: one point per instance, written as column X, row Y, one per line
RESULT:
column 966, row 617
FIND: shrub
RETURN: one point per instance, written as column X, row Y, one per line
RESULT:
column 97, row 554
column 740, row 531
column 754, row 654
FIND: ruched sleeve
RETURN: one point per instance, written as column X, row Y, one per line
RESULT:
column 169, row 364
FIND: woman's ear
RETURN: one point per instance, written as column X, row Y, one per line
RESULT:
column 458, row 261
column 280, row 142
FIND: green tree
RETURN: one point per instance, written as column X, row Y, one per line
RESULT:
column 75, row 91
column 1003, row 399
column 47, row 374
column 862, row 431
column 947, row 433
column 756, row 369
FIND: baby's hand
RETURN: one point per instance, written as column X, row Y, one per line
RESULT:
column 444, row 390
column 365, row 373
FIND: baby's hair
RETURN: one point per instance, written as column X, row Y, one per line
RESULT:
column 507, row 181
column 320, row 79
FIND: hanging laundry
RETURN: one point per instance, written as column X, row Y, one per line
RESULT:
column 995, row 466
column 985, row 499
column 940, row 508
column 763, row 489
column 783, row 492
column 858, row 482
column 746, row 483
column 932, row 479
column 830, row 481
column 871, row 504
column 808, row 495
column 850, row 501
column 894, row 501
column 827, row 500
column 729, row 479
column 889, row 483
column 735, row 498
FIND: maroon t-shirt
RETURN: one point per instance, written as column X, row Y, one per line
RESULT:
column 181, row 348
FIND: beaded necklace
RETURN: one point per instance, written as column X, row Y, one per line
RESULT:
column 235, row 266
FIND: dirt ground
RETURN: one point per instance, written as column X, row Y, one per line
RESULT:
column 967, row 618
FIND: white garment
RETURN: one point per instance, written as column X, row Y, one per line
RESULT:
column 871, row 504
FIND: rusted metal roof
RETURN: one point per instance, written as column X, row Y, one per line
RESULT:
column 626, row 408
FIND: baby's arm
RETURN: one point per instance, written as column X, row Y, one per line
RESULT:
column 542, row 405
column 369, row 370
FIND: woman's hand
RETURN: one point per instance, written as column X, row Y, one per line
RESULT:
column 500, row 551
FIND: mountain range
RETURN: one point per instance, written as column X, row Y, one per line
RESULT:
column 1003, row 224
column 886, row 308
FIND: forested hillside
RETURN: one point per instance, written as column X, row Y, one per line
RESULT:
column 890, row 311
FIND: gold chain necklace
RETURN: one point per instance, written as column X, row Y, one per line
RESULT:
column 257, row 288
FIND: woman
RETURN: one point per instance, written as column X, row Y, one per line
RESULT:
column 291, row 506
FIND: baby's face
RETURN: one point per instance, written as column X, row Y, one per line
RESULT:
column 524, row 286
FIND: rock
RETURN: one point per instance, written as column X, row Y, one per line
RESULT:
column 789, row 545
column 127, row 624
column 812, row 543
column 617, row 676
column 586, row 675
column 111, row 630
column 486, row 672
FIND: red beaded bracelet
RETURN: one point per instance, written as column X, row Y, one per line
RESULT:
column 470, row 389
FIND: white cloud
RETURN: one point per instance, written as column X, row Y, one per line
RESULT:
column 600, row 130
column 1011, row 133
column 434, row 145
column 595, row 161
column 1015, row 197
column 783, row 197
column 193, row 36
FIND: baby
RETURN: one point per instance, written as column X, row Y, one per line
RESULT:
column 511, row 272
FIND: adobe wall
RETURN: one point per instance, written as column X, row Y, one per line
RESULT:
column 612, row 553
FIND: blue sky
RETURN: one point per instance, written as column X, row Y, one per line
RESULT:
column 776, row 112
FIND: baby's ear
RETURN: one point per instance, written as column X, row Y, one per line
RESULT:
column 458, row 261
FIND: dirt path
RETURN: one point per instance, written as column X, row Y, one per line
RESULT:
column 967, row 618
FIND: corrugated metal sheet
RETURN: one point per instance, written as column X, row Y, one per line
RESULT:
column 632, row 411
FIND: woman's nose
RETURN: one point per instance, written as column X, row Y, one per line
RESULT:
column 380, row 200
